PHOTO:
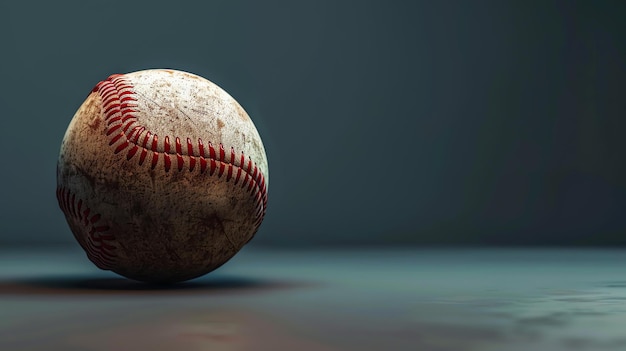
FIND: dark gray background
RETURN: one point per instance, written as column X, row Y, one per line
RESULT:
column 385, row 122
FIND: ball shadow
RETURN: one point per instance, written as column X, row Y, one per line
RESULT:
column 90, row 285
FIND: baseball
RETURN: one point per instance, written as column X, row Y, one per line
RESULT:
column 162, row 176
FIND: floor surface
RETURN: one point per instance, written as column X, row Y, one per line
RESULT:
column 433, row 300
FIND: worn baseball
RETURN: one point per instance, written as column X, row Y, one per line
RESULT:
column 162, row 176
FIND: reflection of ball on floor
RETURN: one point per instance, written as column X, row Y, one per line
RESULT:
column 162, row 176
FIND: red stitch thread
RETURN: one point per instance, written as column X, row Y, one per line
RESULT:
column 166, row 156
column 98, row 242
column 192, row 159
column 124, row 130
column 132, row 152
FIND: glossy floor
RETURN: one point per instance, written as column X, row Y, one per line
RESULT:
column 491, row 299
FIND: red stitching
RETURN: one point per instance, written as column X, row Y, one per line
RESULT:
column 98, row 242
column 119, row 108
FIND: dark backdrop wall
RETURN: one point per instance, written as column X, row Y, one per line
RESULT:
column 385, row 122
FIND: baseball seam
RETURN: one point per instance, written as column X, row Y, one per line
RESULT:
column 125, row 133
column 98, row 243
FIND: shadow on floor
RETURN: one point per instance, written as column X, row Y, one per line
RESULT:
column 86, row 285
